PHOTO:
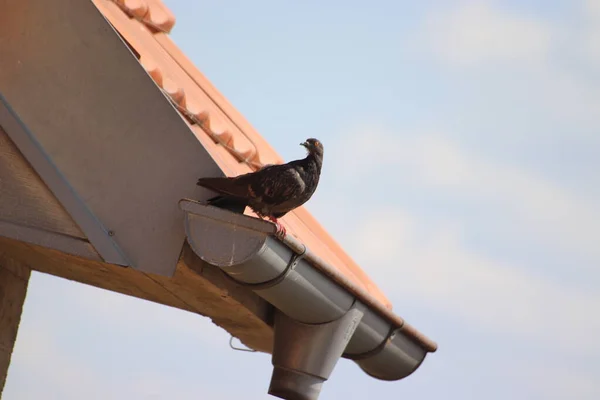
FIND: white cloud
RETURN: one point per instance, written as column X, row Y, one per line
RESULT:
column 53, row 371
column 590, row 42
column 476, row 32
column 593, row 7
column 557, row 381
column 433, row 267
column 519, row 59
column 568, row 95
column 542, row 207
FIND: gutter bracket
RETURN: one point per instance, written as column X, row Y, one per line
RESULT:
column 294, row 260
column 304, row 355
column 368, row 354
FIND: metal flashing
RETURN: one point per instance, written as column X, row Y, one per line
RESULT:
column 105, row 125
column 66, row 244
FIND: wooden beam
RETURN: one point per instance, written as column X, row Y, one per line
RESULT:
column 196, row 287
column 14, row 277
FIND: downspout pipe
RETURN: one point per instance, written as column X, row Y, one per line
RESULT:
column 311, row 298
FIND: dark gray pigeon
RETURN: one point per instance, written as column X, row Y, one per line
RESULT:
column 274, row 190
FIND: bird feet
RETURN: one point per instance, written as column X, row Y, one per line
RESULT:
column 280, row 232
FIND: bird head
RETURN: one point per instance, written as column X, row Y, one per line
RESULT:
column 313, row 146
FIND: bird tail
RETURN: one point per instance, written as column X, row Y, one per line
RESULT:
column 224, row 186
column 229, row 203
column 231, row 196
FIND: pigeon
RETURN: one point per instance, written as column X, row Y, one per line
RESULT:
column 274, row 190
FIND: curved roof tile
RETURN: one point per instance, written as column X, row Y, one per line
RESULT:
column 151, row 12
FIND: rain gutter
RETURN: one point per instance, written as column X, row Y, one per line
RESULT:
column 320, row 314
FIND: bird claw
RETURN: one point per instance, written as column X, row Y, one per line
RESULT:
column 280, row 232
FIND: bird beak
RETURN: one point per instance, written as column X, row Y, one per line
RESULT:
column 305, row 144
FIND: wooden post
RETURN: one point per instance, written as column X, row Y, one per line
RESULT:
column 14, row 278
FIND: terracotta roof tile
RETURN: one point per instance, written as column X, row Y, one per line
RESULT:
column 230, row 139
column 153, row 13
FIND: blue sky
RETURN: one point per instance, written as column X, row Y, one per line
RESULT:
column 462, row 137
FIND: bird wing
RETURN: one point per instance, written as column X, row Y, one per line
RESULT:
column 271, row 185
column 275, row 184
